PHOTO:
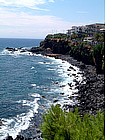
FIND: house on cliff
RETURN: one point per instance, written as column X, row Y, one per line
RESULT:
column 90, row 30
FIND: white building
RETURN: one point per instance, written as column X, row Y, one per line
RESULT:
column 88, row 29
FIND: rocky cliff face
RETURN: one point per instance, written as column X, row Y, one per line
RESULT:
column 78, row 50
column 54, row 46
column 57, row 46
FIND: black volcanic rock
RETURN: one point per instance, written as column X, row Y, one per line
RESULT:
column 36, row 50
column 9, row 138
column 56, row 46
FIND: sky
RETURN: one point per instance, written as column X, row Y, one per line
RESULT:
column 37, row 18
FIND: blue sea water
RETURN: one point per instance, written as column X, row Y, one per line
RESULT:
column 29, row 82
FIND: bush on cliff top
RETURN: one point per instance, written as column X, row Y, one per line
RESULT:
column 60, row 125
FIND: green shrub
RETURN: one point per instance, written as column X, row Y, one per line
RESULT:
column 60, row 125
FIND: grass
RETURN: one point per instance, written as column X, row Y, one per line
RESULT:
column 60, row 125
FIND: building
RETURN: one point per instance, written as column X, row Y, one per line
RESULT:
column 95, row 28
column 76, row 30
column 88, row 39
column 88, row 29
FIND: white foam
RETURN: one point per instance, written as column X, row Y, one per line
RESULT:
column 43, row 63
column 36, row 95
column 68, row 77
column 18, row 53
column 64, row 72
column 6, row 52
column 33, row 85
column 20, row 122
column 51, row 69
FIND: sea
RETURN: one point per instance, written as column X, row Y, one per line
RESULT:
column 30, row 83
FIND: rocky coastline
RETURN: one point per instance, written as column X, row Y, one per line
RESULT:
column 91, row 91
column 90, row 96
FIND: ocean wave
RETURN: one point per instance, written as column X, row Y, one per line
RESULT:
column 36, row 95
column 68, row 85
column 14, row 125
column 43, row 63
column 14, row 53
column 33, row 85
column 21, row 122
column 18, row 52
column 51, row 69
column 32, row 68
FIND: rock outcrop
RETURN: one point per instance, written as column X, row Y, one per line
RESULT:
column 49, row 46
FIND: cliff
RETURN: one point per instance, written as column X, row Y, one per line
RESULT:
column 49, row 46
column 82, row 51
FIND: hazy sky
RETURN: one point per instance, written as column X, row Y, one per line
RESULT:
column 37, row 18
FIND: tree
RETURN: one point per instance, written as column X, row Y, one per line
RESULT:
column 99, row 37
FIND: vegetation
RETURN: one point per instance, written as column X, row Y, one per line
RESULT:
column 89, row 52
column 57, row 36
column 61, row 125
column 98, row 55
column 99, row 37
column 82, row 52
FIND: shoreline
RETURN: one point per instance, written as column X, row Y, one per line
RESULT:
column 90, row 95
column 91, row 91
column 37, row 119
